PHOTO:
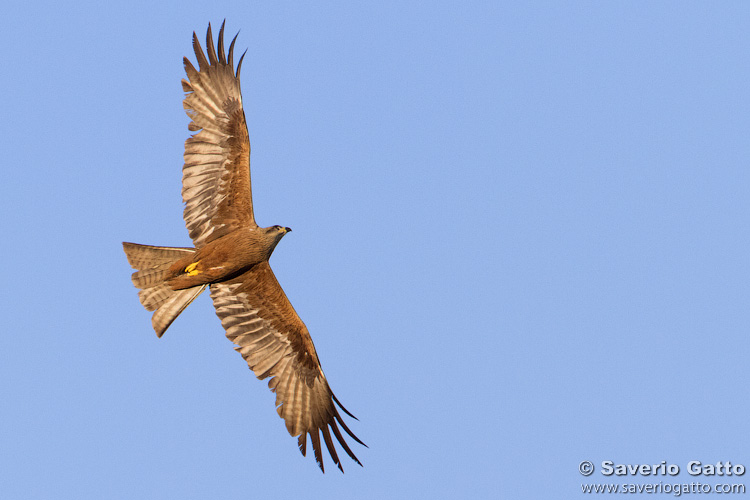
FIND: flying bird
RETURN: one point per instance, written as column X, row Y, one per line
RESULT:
column 231, row 258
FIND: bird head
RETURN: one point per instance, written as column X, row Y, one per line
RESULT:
column 277, row 232
column 273, row 235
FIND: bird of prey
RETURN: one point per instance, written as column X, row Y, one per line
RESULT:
column 231, row 257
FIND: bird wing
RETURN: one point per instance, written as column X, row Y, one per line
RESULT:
column 216, row 174
column 258, row 317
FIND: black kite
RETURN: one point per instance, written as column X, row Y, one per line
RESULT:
column 231, row 257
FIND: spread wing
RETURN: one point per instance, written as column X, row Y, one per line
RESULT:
column 275, row 342
column 216, row 175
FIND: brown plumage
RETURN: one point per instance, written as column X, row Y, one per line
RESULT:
column 231, row 257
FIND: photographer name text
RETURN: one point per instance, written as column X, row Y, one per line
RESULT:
column 694, row 468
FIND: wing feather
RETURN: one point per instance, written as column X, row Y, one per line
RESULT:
column 222, row 58
column 216, row 184
column 230, row 61
column 331, row 448
column 260, row 320
column 315, row 438
column 342, row 441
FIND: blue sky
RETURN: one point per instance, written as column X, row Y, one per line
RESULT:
column 520, row 242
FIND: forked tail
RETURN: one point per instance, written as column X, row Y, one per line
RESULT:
column 152, row 264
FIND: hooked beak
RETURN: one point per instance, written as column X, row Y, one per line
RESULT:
column 288, row 229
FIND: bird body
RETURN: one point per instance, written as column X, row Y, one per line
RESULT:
column 225, row 256
column 230, row 257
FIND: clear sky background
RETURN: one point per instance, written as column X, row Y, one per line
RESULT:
column 520, row 241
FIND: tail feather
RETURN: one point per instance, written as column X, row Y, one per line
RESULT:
column 148, row 256
column 155, row 296
column 150, row 277
column 152, row 264
column 169, row 310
